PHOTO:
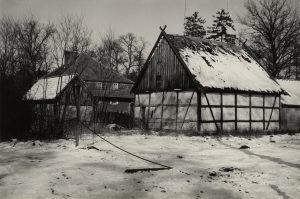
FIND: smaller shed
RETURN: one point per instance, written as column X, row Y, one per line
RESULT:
column 290, row 103
column 58, row 99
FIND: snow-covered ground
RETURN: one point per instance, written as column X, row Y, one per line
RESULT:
column 58, row 169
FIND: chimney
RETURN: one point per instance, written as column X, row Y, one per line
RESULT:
column 70, row 56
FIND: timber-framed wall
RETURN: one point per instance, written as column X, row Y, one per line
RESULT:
column 208, row 111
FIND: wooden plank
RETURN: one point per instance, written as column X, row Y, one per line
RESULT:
column 221, row 104
column 271, row 113
column 187, row 109
column 199, row 111
column 250, row 112
column 148, row 110
column 176, row 108
column 264, row 112
column 162, row 110
column 235, row 110
column 212, row 114
column 280, row 110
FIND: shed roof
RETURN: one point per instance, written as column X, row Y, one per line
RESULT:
column 222, row 66
column 292, row 87
column 89, row 69
column 48, row 88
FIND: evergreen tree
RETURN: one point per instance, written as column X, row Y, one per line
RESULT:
column 193, row 26
column 219, row 29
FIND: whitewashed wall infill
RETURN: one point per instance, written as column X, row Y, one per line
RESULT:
column 256, row 119
column 163, row 111
column 179, row 110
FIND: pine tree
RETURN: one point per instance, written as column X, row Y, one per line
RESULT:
column 193, row 26
column 219, row 29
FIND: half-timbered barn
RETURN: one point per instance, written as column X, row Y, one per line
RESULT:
column 190, row 83
column 290, row 104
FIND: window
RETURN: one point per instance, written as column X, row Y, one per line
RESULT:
column 158, row 82
column 99, row 85
column 115, row 85
column 114, row 102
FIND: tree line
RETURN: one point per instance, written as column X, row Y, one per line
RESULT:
column 271, row 33
column 29, row 49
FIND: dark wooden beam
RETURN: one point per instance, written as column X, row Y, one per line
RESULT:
column 187, row 109
column 235, row 111
column 271, row 113
column 176, row 108
column 149, row 101
column 199, row 111
column 264, row 110
column 211, row 112
column 221, row 104
column 250, row 112
column 162, row 110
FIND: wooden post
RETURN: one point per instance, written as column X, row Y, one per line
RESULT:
column 271, row 113
column 131, row 115
column 280, row 110
column 77, row 99
column 211, row 112
column 235, row 111
column 149, row 101
column 187, row 109
column 264, row 112
column 143, row 115
column 221, row 104
column 199, row 119
column 176, row 109
column 250, row 112
column 162, row 110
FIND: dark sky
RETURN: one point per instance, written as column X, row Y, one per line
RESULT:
column 142, row 17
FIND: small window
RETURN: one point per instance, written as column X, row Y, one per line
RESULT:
column 158, row 82
column 115, row 86
column 114, row 102
column 99, row 85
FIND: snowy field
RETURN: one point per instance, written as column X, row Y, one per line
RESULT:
column 270, row 168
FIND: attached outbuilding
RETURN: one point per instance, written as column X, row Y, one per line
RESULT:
column 190, row 83
column 58, row 99
column 290, row 104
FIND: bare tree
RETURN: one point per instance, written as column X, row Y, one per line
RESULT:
column 133, row 48
column 8, row 47
column 274, row 27
column 24, row 56
column 109, row 53
column 71, row 34
column 33, row 47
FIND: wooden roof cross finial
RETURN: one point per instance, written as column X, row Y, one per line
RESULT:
column 164, row 28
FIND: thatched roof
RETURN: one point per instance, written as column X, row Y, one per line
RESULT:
column 89, row 69
column 48, row 88
column 222, row 66
column 292, row 87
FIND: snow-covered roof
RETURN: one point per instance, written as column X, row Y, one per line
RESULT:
column 223, row 66
column 48, row 88
column 89, row 69
column 292, row 87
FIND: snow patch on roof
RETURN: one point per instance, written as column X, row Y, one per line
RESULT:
column 216, row 65
column 48, row 88
column 292, row 87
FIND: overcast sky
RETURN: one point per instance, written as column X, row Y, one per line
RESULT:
column 142, row 17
